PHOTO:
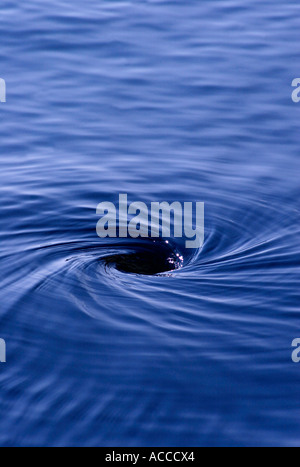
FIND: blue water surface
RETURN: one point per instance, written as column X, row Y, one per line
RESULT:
column 165, row 101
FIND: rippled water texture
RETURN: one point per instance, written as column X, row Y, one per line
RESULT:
column 139, row 342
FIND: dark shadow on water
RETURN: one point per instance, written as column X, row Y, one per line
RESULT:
column 146, row 261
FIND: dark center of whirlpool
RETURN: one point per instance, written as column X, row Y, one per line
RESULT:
column 151, row 258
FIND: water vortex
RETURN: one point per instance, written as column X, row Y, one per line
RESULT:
column 146, row 259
